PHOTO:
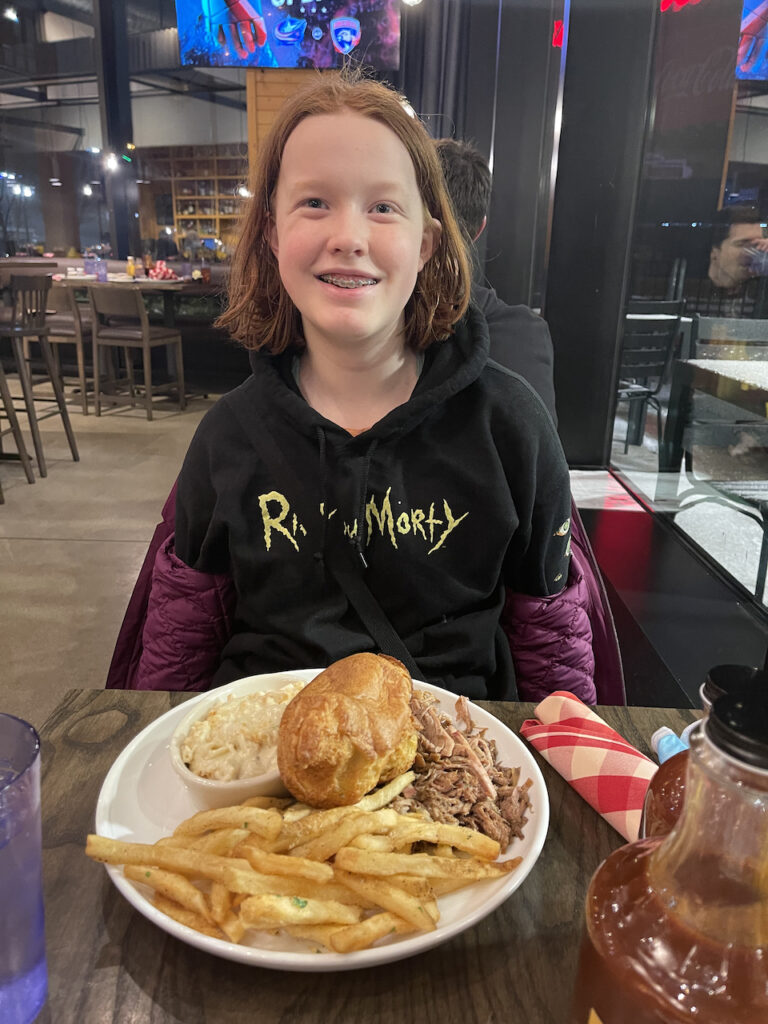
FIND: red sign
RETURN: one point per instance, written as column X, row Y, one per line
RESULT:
column 557, row 34
column 676, row 5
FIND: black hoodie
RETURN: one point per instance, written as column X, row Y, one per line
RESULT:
column 450, row 498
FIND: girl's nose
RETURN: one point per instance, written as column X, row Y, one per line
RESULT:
column 348, row 233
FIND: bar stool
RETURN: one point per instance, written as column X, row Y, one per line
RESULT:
column 68, row 324
column 27, row 320
column 8, row 411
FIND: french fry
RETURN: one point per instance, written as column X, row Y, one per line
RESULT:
column 324, row 846
column 466, row 839
column 421, row 887
column 301, row 830
column 221, row 842
column 421, row 864
column 267, row 823
column 368, row 842
column 315, row 932
column 280, row 864
column 220, row 899
column 184, row 916
column 360, row 936
column 278, row 802
column 251, row 883
column 284, row 910
column 173, row 887
column 390, row 897
column 191, row 863
column 386, row 794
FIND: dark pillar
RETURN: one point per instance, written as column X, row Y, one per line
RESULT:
column 116, row 125
column 605, row 110
column 526, row 101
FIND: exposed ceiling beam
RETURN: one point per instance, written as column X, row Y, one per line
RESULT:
column 29, row 122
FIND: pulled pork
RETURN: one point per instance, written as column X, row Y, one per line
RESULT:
column 458, row 779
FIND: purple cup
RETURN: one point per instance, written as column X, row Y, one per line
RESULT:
column 23, row 973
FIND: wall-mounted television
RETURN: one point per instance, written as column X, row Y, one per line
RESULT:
column 288, row 33
column 752, row 60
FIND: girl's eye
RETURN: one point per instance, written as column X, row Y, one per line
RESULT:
column 314, row 204
column 382, row 208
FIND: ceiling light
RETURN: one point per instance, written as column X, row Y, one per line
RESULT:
column 110, row 162
column 87, row 190
column 11, row 14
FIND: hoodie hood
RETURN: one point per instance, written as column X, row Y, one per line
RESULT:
column 449, row 367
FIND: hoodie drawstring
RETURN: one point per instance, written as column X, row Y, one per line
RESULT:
column 355, row 540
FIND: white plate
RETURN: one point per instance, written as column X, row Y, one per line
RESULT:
column 143, row 798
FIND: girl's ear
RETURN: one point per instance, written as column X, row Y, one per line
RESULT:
column 429, row 240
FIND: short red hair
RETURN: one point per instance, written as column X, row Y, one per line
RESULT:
column 260, row 313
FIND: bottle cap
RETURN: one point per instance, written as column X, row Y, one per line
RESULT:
column 666, row 743
column 738, row 725
column 731, row 679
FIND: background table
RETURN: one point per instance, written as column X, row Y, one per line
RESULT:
column 740, row 382
column 107, row 963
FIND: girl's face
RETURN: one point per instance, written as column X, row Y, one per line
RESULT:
column 349, row 230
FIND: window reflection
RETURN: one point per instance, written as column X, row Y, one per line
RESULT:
column 700, row 254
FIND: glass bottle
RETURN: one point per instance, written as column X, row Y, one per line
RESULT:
column 666, row 792
column 677, row 928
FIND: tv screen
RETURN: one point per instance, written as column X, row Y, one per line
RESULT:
column 288, row 33
column 752, row 61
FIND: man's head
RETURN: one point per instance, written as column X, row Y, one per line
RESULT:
column 468, row 178
column 736, row 230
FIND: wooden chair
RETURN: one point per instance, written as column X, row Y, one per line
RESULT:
column 27, row 320
column 119, row 321
column 647, row 348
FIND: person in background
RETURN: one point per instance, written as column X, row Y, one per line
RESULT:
column 374, row 440
column 520, row 340
column 738, row 264
column 165, row 247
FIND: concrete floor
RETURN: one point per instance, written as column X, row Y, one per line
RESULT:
column 71, row 545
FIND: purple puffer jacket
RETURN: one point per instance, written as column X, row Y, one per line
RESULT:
column 551, row 640
column 565, row 642
column 189, row 620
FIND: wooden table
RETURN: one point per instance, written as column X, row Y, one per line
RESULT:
column 107, row 963
column 167, row 288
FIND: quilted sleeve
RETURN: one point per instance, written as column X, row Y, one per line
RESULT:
column 189, row 618
column 551, row 640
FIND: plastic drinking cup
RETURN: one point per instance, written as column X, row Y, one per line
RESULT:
column 23, row 973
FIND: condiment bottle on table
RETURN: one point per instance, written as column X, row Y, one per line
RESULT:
column 666, row 793
column 677, row 928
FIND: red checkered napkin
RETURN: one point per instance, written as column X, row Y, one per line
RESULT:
column 602, row 767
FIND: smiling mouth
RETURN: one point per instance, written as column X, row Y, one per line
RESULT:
column 347, row 282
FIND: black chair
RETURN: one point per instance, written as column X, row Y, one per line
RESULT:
column 651, row 330
column 25, row 320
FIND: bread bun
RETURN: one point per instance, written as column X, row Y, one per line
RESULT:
column 347, row 730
